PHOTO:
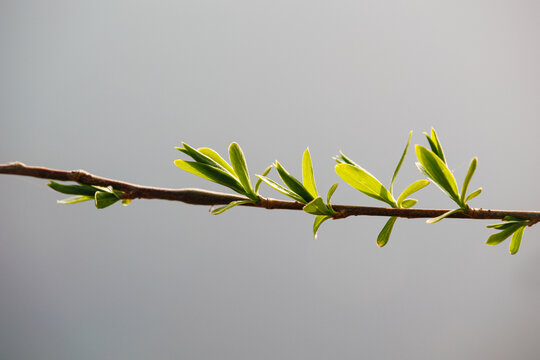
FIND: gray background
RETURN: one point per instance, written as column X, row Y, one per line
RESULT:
column 112, row 87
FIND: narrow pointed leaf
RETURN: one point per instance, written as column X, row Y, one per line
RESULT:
column 80, row 189
column 319, row 219
column 212, row 174
column 473, row 194
column 502, row 235
column 411, row 189
column 199, row 157
column 307, row 174
column 232, row 204
column 437, row 170
column 516, row 240
column 293, row 183
column 432, row 145
column 212, row 154
column 342, row 159
column 318, row 207
column 439, row 151
column 75, row 199
column 513, row 218
column 259, row 181
column 104, row 199
column 238, row 162
column 467, row 180
column 281, row 189
column 399, row 164
column 408, row 203
column 384, row 235
column 364, row 182
column 446, row 214
column 507, row 224
column 330, row 193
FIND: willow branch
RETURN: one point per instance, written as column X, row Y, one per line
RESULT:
column 204, row 197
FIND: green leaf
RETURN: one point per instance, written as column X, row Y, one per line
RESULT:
column 202, row 158
column 307, row 174
column 330, row 193
column 516, row 240
column 212, row 174
column 436, row 170
column 467, row 180
column 446, row 214
column 384, row 235
column 281, row 189
column 342, row 159
column 408, row 203
column 232, row 204
column 80, row 189
column 474, row 194
column 414, row 187
column 212, row 154
column 238, row 162
column 399, row 164
column 507, row 224
column 364, row 182
column 318, row 207
column 319, row 219
column 293, row 184
column 75, row 199
column 513, row 218
column 435, row 144
column 104, row 199
column 259, row 181
column 499, row 237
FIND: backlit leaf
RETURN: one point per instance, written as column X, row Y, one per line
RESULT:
column 330, row 193
column 259, row 181
column 79, row 189
column 307, row 174
column 399, row 164
column 467, row 180
column 414, row 187
column 364, row 182
column 384, row 235
column 408, row 203
column 238, row 162
column 516, row 240
column 446, row 214
column 212, row 174
column 232, row 204
column 502, row 235
column 318, row 207
column 212, row 154
column 293, row 184
column 281, row 189
column 319, row 219
column 474, row 194
column 75, row 199
column 104, row 199
column 437, row 171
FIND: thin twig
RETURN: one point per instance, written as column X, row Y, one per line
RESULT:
column 204, row 197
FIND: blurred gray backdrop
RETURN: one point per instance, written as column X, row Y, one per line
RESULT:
column 113, row 86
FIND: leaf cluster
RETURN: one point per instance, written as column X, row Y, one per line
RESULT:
column 103, row 196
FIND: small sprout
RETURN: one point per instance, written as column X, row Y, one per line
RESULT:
column 103, row 196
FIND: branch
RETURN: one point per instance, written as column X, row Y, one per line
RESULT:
column 204, row 197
